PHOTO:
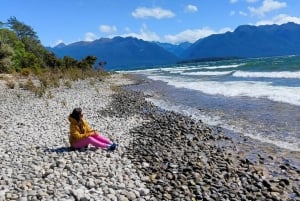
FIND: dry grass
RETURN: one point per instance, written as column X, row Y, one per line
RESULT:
column 68, row 84
column 41, row 82
column 10, row 84
column 116, row 88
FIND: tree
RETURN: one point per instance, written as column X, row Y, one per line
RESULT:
column 101, row 65
column 8, row 40
column 6, row 53
column 20, row 48
column 51, row 60
column 22, row 30
column 87, row 62
column 29, row 38
column 90, row 60
column 29, row 60
column 69, row 62
column 8, row 37
column 19, row 54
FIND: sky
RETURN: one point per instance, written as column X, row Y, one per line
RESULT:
column 171, row 21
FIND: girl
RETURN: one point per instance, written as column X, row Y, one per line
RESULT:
column 81, row 135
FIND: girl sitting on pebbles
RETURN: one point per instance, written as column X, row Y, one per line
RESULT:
column 81, row 135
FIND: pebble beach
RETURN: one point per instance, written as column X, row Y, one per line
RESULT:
column 162, row 155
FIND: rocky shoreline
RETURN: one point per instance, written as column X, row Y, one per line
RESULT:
column 162, row 155
column 181, row 159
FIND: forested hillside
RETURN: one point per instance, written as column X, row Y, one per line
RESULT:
column 118, row 52
column 21, row 50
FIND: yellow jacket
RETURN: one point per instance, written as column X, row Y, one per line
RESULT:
column 75, row 134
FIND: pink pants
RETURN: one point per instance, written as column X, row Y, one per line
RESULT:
column 95, row 140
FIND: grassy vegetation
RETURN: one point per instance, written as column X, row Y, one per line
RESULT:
column 31, row 66
column 41, row 83
column 116, row 88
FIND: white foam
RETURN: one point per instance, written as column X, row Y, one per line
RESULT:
column 282, row 74
column 208, row 73
column 293, row 143
column 223, row 66
column 199, row 67
column 214, row 121
column 284, row 94
column 145, row 71
column 182, row 68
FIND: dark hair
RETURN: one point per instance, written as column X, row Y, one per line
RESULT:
column 76, row 114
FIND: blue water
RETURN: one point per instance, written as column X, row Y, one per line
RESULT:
column 259, row 98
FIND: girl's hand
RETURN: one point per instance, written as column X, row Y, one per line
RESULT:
column 94, row 132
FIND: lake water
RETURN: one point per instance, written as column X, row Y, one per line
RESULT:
column 259, row 98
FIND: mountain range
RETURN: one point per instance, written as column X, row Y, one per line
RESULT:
column 246, row 41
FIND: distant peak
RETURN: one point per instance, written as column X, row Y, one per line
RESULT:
column 60, row 45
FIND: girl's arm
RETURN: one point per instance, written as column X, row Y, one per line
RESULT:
column 87, row 127
column 77, row 135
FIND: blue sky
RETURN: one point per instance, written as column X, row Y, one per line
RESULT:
column 172, row 21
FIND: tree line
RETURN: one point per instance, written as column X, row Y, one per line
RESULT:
column 21, row 49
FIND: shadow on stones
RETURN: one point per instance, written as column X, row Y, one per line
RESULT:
column 67, row 149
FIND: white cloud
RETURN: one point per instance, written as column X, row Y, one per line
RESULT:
column 185, row 36
column 89, row 36
column 107, row 29
column 249, row 1
column 252, row 1
column 267, row 6
column 243, row 13
column 127, row 29
column 191, row 8
column 232, row 13
column 224, row 30
column 144, row 34
column 157, row 13
column 192, row 35
column 279, row 19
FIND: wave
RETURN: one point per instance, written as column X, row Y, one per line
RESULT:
column 281, row 74
column 177, row 69
column 149, row 70
column 188, row 111
column 208, row 73
column 290, row 144
column 199, row 67
column 252, row 89
column 224, row 66
column 181, row 69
